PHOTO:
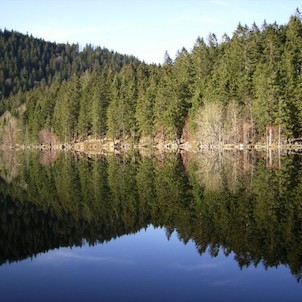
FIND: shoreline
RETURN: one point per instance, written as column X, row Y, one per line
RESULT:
column 104, row 146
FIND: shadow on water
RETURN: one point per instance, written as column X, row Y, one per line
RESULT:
column 224, row 202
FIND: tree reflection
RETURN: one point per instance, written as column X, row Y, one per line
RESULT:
column 228, row 202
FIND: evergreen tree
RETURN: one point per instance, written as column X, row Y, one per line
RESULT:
column 84, row 119
column 167, row 107
column 269, row 104
column 147, row 81
column 26, row 61
column 292, row 66
column 114, row 124
column 100, row 101
column 121, row 113
column 253, row 79
column 67, row 110
column 184, row 74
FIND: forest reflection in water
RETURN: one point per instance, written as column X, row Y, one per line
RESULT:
column 232, row 202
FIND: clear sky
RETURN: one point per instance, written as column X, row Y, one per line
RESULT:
column 143, row 28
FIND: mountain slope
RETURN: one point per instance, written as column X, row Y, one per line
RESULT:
column 25, row 61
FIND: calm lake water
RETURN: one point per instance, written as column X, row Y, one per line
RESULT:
column 211, row 227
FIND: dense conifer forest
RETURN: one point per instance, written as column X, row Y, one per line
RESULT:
column 26, row 61
column 223, row 91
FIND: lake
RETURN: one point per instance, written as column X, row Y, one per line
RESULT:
column 162, row 227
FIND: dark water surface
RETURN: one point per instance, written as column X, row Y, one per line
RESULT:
column 212, row 227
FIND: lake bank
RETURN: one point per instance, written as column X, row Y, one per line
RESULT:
column 104, row 146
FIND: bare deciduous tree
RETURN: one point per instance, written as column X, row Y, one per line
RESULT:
column 210, row 124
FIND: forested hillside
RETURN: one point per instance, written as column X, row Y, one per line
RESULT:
column 26, row 61
column 221, row 92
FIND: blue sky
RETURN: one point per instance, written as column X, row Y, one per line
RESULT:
column 143, row 28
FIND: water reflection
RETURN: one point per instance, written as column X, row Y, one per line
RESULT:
column 225, row 203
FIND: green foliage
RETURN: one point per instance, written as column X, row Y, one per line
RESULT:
column 26, row 61
column 253, row 79
column 66, row 110
column 100, row 100
column 168, row 107
column 268, row 79
column 147, row 82
column 84, row 118
column 121, row 111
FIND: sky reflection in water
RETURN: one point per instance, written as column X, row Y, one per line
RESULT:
column 142, row 267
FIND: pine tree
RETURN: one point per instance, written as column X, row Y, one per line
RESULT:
column 100, row 101
column 146, row 91
column 184, row 74
column 168, row 107
column 121, row 110
column 67, row 110
column 84, row 119
column 292, row 66
column 128, row 99
column 114, row 124
column 268, row 105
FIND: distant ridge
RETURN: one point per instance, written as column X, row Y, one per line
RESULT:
column 25, row 61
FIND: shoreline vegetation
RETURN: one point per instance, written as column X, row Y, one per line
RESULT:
column 99, row 146
column 242, row 92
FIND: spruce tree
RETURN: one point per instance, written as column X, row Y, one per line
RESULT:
column 146, row 90
column 268, row 104
column 84, row 119
column 168, row 107
column 292, row 66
